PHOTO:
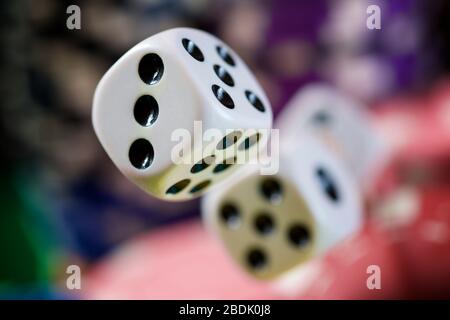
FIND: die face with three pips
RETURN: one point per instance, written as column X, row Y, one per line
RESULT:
column 158, row 90
column 271, row 224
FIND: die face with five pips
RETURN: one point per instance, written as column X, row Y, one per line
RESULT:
column 159, row 91
column 271, row 224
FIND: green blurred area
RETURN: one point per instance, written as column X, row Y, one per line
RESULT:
column 27, row 251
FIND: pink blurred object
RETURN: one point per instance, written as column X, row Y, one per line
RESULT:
column 417, row 130
column 425, row 245
column 348, row 267
column 417, row 126
column 413, row 257
column 178, row 262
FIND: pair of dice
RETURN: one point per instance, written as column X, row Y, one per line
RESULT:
column 147, row 111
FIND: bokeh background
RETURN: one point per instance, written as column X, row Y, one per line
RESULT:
column 62, row 200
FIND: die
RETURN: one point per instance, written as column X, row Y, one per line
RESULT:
column 341, row 123
column 271, row 224
column 180, row 112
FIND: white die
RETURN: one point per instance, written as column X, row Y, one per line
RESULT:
column 343, row 124
column 271, row 224
column 164, row 84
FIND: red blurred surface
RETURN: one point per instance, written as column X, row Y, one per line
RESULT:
column 184, row 262
column 179, row 262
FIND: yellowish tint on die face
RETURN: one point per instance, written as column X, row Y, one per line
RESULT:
column 187, row 181
column 266, row 225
